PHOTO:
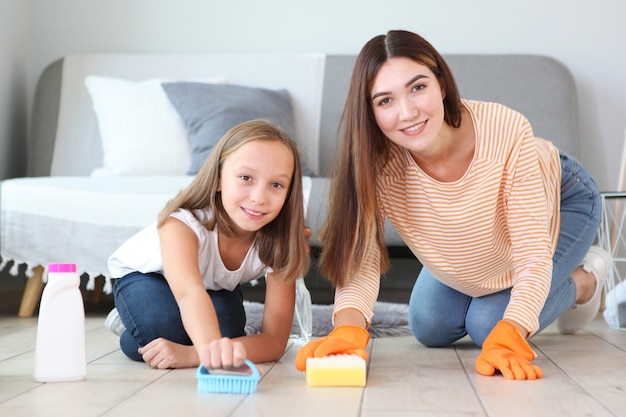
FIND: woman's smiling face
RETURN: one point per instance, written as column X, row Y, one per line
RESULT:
column 407, row 103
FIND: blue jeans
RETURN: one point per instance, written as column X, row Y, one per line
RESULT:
column 148, row 309
column 440, row 315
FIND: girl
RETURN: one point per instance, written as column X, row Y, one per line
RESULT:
column 502, row 222
column 179, row 296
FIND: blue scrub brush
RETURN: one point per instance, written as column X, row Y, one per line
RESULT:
column 228, row 382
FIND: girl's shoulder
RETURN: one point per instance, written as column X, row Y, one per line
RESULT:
column 195, row 218
column 200, row 214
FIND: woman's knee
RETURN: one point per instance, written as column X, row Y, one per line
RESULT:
column 429, row 330
column 478, row 333
column 436, row 312
column 484, row 313
column 426, row 336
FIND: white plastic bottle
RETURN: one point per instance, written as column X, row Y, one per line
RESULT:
column 60, row 349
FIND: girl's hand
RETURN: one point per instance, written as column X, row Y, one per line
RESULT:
column 165, row 354
column 222, row 353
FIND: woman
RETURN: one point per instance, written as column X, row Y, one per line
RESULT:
column 502, row 222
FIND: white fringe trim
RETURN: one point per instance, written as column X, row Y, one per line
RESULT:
column 91, row 280
column 29, row 272
column 108, row 285
column 91, row 283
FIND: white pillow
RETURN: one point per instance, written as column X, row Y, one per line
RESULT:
column 140, row 130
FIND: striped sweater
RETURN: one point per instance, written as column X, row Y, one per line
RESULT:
column 494, row 228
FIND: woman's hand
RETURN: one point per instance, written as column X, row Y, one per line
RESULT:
column 507, row 351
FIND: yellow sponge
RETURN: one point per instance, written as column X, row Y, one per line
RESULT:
column 336, row 371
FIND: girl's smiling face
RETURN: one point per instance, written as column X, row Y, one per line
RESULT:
column 407, row 102
column 254, row 183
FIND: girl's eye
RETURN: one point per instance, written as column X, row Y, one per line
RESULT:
column 245, row 177
column 277, row 185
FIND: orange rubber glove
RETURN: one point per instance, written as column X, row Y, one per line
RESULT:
column 347, row 339
column 507, row 351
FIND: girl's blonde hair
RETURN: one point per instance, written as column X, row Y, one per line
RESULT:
column 281, row 243
column 354, row 222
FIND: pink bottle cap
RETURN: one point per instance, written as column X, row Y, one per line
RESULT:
column 61, row 267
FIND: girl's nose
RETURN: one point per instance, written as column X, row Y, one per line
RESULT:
column 257, row 195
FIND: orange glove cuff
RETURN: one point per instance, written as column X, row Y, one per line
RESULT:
column 356, row 335
column 505, row 335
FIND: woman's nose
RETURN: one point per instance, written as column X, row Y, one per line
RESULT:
column 408, row 110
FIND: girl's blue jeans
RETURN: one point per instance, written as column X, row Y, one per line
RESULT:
column 148, row 310
column 439, row 315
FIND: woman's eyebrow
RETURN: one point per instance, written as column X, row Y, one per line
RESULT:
column 417, row 77
column 408, row 83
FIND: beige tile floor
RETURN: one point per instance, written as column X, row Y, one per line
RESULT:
column 585, row 375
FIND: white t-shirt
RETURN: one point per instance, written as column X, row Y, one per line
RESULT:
column 142, row 253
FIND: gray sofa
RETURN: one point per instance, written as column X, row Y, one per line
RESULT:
column 63, row 212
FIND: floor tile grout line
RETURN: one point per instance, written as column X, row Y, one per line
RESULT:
column 470, row 380
column 600, row 335
column 573, row 380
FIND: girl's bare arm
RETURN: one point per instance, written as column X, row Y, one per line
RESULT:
column 269, row 345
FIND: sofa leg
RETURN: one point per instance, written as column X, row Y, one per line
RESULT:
column 32, row 293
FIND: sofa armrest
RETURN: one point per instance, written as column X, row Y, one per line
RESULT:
column 45, row 114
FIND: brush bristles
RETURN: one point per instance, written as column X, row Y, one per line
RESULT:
column 227, row 386
column 229, row 382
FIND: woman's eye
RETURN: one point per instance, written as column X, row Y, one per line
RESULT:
column 418, row 87
column 384, row 101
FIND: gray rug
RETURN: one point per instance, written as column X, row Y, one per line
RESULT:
column 390, row 319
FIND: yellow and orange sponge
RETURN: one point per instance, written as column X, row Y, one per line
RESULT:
column 336, row 371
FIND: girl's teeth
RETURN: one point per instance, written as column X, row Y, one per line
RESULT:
column 253, row 213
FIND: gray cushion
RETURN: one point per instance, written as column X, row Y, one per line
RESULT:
column 210, row 110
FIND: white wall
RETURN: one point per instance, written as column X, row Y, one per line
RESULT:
column 587, row 36
column 13, row 54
